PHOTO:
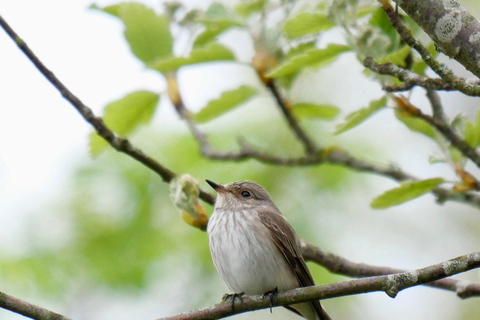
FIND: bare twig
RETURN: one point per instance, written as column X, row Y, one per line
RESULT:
column 412, row 79
column 340, row 265
column 118, row 143
column 27, row 309
column 310, row 147
column 390, row 284
column 451, row 136
column 333, row 156
column 436, row 104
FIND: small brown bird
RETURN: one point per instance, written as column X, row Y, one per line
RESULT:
column 254, row 248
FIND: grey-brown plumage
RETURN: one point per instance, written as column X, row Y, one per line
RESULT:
column 254, row 248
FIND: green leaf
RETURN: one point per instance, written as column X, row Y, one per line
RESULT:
column 246, row 8
column 147, row 32
column 414, row 123
column 398, row 57
column 124, row 115
column 227, row 101
column 212, row 51
column 216, row 19
column 472, row 131
column 307, row 58
column 307, row 22
column 406, row 191
column 311, row 111
column 380, row 20
column 419, row 65
column 356, row 117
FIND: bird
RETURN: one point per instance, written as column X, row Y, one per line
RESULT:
column 253, row 247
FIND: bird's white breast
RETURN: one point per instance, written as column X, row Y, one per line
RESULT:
column 245, row 255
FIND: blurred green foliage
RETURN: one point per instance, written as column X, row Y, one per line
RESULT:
column 121, row 223
column 120, row 229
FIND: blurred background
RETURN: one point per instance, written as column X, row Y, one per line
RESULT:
column 99, row 238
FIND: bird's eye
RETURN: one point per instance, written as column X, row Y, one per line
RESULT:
column 245, row 194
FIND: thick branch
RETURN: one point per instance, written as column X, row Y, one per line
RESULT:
column 342, row 266
column 443, row 71
column 390, row 284
column 27, row 309
column 453, row 29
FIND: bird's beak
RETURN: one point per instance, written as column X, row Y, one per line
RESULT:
column 216, row 186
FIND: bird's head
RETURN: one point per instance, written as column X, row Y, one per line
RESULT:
column 240, row 194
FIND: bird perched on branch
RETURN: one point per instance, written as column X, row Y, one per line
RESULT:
column 254, row 248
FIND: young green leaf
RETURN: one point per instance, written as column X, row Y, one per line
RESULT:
column 147, row 32
column 312, row 111
column 212, row 51
column 406, row 191
column 216, row 19
column 472, row 131
column 307, row 58
column 124, row 115
column 419, row 66
column 246, row 8
column 307, row 22
column 356, row 117
column 398, row 57
column 227, row 101
column 415, row 123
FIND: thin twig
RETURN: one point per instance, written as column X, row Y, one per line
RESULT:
column 342, row 266
column 27, row 309
column 118, row 143
column 391, row 284
column 436, row 104
column 412, row 79
column 451, row 136
column 310, row 147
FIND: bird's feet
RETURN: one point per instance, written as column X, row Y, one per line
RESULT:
column 233, row 296
column 273, row 296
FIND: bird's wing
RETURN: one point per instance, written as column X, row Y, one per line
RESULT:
column 285, row 240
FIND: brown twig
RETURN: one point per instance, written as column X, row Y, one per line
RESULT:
column 436, row 104
column 390, row 284
column 118, row 143
column 310, row 147
column 27, row 309
column 332, row 156
column 451, row 136
column 412, row 79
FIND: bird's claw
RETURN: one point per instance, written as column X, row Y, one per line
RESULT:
column 273, row 296
column 233, row 296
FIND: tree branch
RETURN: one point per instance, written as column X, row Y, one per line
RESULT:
column 310, row 147
column 453, row 29
column 118, row 143
column 27, row 309
column 391, row 284
column 342, row 266
column 412, row 79
column 443, row 71
column 332, row 156
column 451, row 136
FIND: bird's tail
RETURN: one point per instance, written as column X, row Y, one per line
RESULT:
column 310, row 310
